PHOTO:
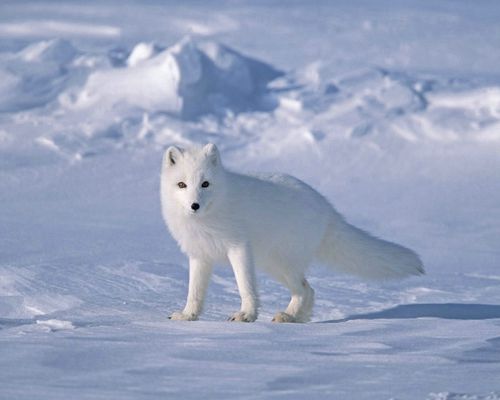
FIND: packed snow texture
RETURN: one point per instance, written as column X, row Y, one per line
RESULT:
column 390, row 109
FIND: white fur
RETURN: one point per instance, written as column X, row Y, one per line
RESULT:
column 275, row 222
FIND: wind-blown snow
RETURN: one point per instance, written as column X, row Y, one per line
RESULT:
column 188, row 80
column 391, row 110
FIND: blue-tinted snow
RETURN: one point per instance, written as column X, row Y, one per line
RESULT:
column 391, row 109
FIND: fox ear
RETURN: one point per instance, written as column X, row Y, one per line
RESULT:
column 172, row 155
column 212, row 153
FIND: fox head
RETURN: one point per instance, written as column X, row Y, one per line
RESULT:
column 191, row 178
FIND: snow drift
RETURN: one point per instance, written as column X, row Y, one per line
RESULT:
column 188, row 79
column 34, row 76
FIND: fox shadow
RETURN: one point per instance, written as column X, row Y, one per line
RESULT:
column 441, row 310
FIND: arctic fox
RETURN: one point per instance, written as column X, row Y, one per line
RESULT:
column 274, row 222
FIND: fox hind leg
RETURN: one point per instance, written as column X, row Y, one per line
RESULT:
column 301, row 304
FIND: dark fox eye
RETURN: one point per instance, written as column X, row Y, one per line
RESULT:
column 182, row 185
column 205, row 184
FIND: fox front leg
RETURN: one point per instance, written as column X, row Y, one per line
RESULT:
column 199, row 276
column 244, row 272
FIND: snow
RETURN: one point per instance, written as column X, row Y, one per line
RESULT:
column 391, row 110
column 55, row 324
column 188, row 79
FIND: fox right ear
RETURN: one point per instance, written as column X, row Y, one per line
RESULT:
column 172, row 156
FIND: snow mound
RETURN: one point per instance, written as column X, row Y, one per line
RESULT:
column 473, row 111
column 36, row 75
column 385, row 107
column 141, row 52
column 58, row 51
column 56, row 324
column 150, row 96
column 188, row 80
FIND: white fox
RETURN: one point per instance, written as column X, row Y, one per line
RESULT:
column 275, row 222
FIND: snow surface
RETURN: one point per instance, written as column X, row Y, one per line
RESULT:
column 390, row 109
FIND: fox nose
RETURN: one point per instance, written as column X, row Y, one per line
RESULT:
column 195, row 206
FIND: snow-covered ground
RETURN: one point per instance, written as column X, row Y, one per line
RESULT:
column 390, row 109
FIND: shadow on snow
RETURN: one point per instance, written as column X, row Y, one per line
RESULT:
column 444, row 311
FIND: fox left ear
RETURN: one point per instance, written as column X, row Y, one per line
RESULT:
column 212, row 153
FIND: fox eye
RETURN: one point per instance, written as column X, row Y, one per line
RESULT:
column 182, row 185
column 205, row 184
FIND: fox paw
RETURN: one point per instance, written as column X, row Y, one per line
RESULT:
column 242, row 316
column 180, row 316
column 283, row 317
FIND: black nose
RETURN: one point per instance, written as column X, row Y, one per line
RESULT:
column 195, row 206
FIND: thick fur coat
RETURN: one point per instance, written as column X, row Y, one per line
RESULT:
column 273, row 222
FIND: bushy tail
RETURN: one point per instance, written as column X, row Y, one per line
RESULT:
column 353, row 251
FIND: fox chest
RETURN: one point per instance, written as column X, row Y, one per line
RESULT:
column 202, row 241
